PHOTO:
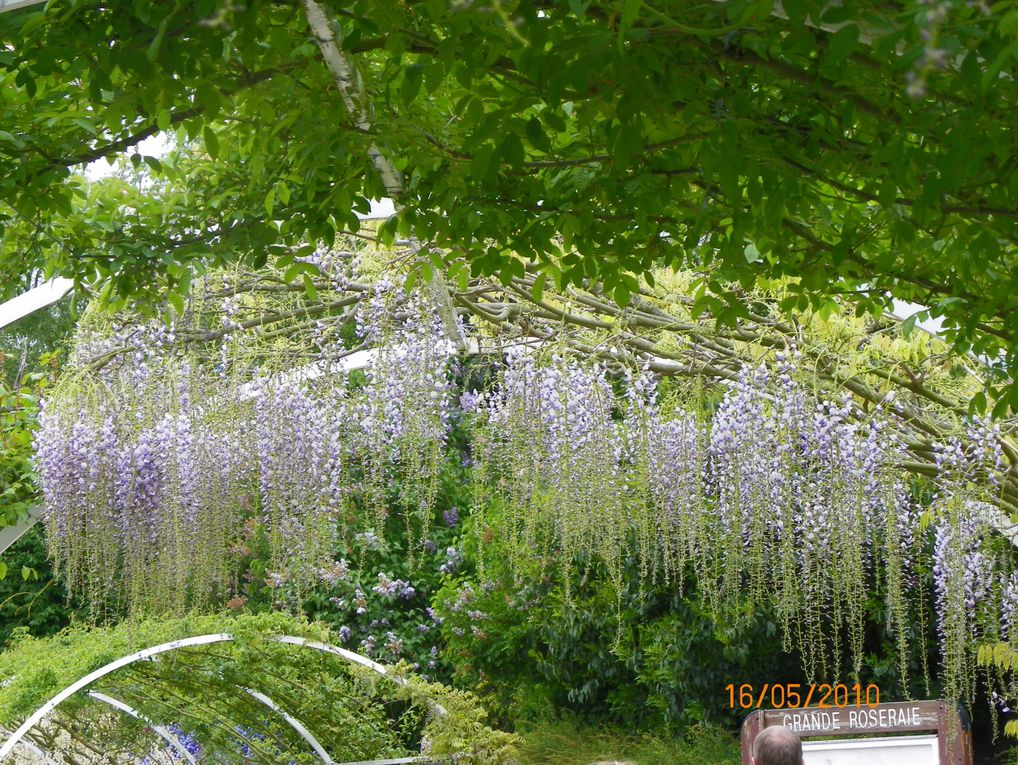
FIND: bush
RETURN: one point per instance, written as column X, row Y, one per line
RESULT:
column 31, row 599
column 656, row 659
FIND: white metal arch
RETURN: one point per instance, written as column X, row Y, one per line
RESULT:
column 294, row 723
column 197, row 640
column 160, row 730
column 173, row 741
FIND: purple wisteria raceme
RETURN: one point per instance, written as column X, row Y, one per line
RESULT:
column 798, row 483
column 406, row 411
column 963, row 576
column 551, row 436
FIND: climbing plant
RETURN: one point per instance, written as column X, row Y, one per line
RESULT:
column 205, row 693
column 165, row 442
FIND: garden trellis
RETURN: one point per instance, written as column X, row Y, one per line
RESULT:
column 197, row 640
column 183, row 714
column 163, row 441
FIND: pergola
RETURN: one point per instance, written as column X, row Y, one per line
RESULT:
column 171, row 740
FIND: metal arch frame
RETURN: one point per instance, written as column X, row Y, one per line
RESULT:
column 162, row 731
column 197, row 640
column 294, row 723
column 174, row 741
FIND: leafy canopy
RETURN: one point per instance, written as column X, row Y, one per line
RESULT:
column 864, row 149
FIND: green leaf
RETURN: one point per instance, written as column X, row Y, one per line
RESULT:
column 211, row 142
column 908, row 325
column 837, row 14
column 309, row 287
column 827, row 310
column 622, row 295
column 630, row 12
column 1008, row 25
column 176, row 300
column 752, row 253
column 888, row 192
column 411, row 85
column 536, row 135
column 270, row 202
column 13, row 140
column 207, row 96
column 3, row 570
column 796, row 10
column 1000, row 408
column 298, row 268
column 978, row 403
column 537, row 290
column 993, row 71
column 282, row 192
column 480, row 163
column 841, row 45
column 511, row 150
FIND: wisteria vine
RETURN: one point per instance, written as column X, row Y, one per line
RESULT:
column 154, row 468
column 778, row 496
column 154, row 464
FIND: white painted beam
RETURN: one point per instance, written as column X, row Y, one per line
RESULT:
column 163, row 732
column 35, row 299
column 12, row 534
column 10, row 5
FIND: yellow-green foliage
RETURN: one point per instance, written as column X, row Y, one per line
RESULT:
column 349, row 709
column 1002, row 659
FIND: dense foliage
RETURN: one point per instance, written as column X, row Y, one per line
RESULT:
column 19, row 408
column 659, row 662
column 32, row 598
column 863, row 148
column 354, row 714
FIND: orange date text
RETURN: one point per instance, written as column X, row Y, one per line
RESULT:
column 799, row 695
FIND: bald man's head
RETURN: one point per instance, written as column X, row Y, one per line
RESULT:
column 777, row 745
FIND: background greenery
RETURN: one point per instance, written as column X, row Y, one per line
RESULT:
column 862, row 149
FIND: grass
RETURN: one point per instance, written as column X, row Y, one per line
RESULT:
column 569, row 743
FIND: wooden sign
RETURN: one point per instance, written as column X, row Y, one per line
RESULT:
column 950, row 723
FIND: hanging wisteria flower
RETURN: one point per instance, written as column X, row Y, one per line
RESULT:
column 405, row 417
column 162, row 470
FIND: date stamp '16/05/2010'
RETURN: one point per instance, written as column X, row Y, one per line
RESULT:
column 799, row 695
